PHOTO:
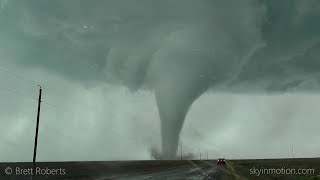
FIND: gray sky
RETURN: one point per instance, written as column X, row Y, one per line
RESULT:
column 87, row 56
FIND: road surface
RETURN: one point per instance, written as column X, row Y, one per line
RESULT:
column 107, row 170
column 192, row 171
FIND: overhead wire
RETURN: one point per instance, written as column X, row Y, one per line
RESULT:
column 47, row 103
column 77, row 116
column 18, row 76
column 17, row 93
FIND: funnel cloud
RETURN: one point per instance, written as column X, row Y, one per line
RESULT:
column 177, row 49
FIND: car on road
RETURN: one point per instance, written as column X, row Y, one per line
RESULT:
column 221, row 161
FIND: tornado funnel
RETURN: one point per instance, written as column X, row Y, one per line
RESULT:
column 180, row 84
column 173, row 105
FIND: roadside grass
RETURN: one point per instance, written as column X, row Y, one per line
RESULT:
column 240, row 169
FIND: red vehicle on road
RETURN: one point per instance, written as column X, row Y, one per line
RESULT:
column 221, row 161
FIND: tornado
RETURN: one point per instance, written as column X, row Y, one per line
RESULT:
column 173, row 105
column 180, row 76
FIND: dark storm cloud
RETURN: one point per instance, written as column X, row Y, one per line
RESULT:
column 119, row 36
column 118, row 39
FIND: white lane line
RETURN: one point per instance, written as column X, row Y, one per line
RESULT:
column 142, row 173
column 195, row 165
column 148, row 177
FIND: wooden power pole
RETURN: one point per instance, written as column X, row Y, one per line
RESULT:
column 36, row 136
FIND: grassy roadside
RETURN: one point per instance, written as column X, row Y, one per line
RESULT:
column 244, row 169
column 231, row 173
column 227, row 171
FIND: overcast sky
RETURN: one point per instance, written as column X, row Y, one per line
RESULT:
column 95, row 106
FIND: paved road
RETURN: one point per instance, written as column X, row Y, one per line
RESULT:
column 121, row 170
column 192, row 171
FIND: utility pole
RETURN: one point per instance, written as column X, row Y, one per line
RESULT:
column 207, row 156
column 200, row 155
column 36, row 136
column 292, row 152
column 181, row 149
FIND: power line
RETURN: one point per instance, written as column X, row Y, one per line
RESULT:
column 17, row 93
column 55, row 106
column 75, row 115
column 114, row 133
column 18, row 76
column 33, row 83
column 58, row 107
